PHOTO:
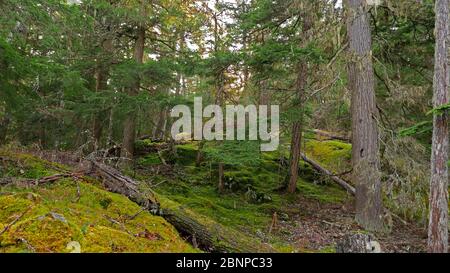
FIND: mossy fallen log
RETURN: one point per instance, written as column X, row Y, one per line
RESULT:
column 201, row 231
column 328, row 173
column 207, row 235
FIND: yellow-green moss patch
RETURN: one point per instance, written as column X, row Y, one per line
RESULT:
column 48, row 217
column 58, row 216
column 333, row 155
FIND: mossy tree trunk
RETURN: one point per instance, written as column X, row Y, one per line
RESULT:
column 365, row 157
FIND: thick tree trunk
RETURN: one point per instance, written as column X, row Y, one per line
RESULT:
column 158, row 130
column 129, row 128
column 438, row 222
column 365, row 157
column 109, row 140
column 129, row 135
column 294, row 159
column 163, row 131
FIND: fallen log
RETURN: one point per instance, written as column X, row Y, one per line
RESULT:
column 328, row 173
column 116, row 182
column 329, row 135
column 208, row 237
column 39, row 181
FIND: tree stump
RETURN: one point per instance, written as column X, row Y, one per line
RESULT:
column 358, row 243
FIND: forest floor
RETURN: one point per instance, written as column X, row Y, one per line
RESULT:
column 312, row 220
column 319, row 226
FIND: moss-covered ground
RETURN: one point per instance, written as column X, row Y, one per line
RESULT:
column 51, row 217
column 253, row 193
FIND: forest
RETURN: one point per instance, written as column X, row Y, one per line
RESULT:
column 118, row 130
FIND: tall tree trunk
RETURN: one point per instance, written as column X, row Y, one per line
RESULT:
column 129, row 128
column 101, row 84
column 365, row 157
column 219, row 100
column 4, row 124
column 219, row 85
column 157, row 131
column 438, row 222
column 297, row 131
column 221, row 186
column 302, row 79
column 163, row 130
column 109, row 140
column 199, row 156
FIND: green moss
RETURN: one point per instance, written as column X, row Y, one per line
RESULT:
column 150, row 159
column 328, row 249
column 143, row 144
column 307, row 173
column 239, row 180
column 226, row 227
column 28, row 166
column 187, row 153
column 48, row 217
column 100, row 222
column 234, row 209
column 87, row 221
column 322, row 193
column 333, row 155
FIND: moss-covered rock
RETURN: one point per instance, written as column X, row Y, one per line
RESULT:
column 54, row 217
column 187, row 153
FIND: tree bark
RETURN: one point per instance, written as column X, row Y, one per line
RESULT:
column 438, row 218
column 297, row 132
column 129, row 130
column 158, row 132
column 101, row 84
column 365, row 157
column 221, row 185
column 358, row 243
column 4, row 124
